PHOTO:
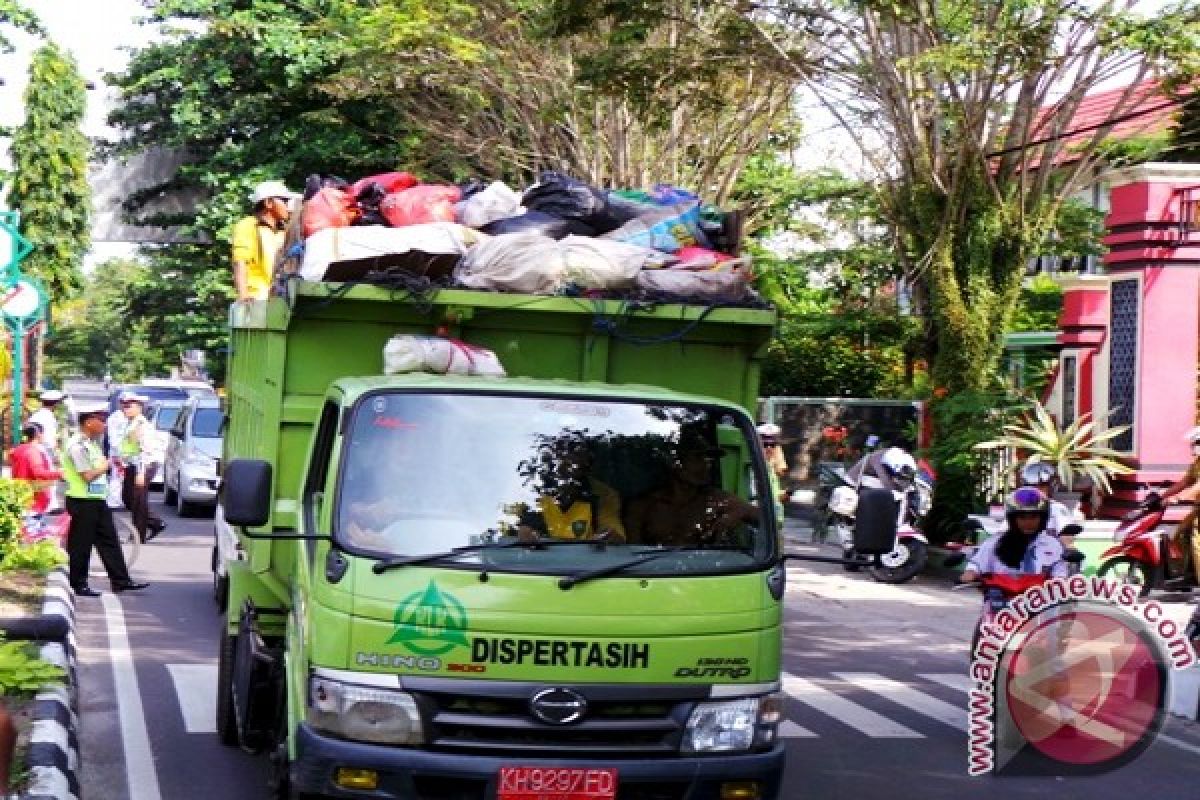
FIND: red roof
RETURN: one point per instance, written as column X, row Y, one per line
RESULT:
column 1146, row 111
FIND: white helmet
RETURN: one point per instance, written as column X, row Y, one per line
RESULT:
column 899, row 463
column 769, row 429
column 1037, row 473
column 1193, row 435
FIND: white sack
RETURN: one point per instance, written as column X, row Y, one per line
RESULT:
column 513, row 262
column 605, row 263
column 497, row 201
column 413, row 353
column 371, row 241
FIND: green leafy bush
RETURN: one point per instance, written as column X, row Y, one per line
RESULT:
column 15, row 499
column 22, row 671
column 40, row 557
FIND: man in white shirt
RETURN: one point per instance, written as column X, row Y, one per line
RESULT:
column 48, row 419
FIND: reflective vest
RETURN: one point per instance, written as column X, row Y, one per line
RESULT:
column 130, row 446
column 77, row 487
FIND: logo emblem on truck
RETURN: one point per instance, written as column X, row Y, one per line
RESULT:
column 430, row 622
column 558, row 706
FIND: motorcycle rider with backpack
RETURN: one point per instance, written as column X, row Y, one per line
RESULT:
column 892, row 469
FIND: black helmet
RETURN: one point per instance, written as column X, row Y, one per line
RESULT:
column 1027, row 500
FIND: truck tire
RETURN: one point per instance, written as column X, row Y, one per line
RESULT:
column 227, row 730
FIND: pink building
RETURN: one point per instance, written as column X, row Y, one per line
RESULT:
column 1130, row 337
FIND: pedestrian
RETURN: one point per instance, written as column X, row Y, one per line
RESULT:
column 47, row 418
column 132, row 449
column 258, row 237
column 30, row 462
column 86, row 471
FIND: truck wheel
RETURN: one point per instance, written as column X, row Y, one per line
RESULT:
column 220, row 590
column 226, row 718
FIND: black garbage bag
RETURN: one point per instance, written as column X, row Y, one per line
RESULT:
column 369, row 197
column 539, row 222
column 567, row 198
column 315, row 183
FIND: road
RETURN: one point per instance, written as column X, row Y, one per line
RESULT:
column 874, row 677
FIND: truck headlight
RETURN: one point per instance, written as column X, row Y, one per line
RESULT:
column 364, row 713
column 732, row 725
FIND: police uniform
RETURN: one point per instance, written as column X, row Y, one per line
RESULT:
column 131, row 450
column 91, row 519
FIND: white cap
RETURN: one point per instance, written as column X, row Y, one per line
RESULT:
column 51, row 396
column 133, row 397
column 271, row 189
column 769, row 429
column 84, row 409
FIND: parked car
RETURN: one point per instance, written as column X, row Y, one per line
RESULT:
column 193, row 453
column 194, row 388
column 151, row 393
column 163, row 414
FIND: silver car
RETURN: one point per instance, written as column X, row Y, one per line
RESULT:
column 193, row 452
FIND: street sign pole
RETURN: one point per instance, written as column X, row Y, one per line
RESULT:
column 22, row 304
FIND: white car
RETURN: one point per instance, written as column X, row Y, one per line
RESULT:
column 163, row 414
column 190, row 477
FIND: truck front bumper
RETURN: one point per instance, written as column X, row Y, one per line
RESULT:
column 407, row 774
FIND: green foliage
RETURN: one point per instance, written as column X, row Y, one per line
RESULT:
column 15, row 499
column 40, row 557
column 22, row 672
column 1077, row 451
column 137, row 316
column 15, row 14
column 961, row 422
column 1039, row 306
column 50, row 159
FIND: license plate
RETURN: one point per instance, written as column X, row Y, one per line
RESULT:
column 557, row 783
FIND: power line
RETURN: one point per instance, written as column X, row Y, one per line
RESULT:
column 1086, row 129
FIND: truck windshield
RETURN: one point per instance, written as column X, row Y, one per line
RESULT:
column 568, row 485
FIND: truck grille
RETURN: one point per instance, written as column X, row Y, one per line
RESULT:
column 620, row 721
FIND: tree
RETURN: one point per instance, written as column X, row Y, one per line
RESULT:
column 14, row 14
column 50, row 158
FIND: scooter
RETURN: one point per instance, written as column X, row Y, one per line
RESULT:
column 1146, row 550
column 999, row 589
column 912, row 548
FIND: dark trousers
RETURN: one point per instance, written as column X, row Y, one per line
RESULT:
column 92, row 526
column 137, row 500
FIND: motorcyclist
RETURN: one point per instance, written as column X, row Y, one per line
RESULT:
column 1187, row 489
column 1025, row 547
column 892, row 469
column 1061, row 521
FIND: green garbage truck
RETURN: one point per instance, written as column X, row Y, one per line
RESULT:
column 562, row 583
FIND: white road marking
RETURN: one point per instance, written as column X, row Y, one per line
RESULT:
column 790, row 730
column 140, row 773
column 196, row 686
column 910, row 698
column 960, row 682
column 845, row 711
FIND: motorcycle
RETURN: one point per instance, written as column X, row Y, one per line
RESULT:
column 999, row 589
column 1146, row 551
column 912, row 548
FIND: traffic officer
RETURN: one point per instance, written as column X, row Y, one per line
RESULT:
column 85, row 470
column 131, row 449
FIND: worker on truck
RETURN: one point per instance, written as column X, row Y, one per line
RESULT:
column 258, row 237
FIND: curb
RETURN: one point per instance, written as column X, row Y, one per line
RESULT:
column 53, row 758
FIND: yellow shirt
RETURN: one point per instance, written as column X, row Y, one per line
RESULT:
column 575, row 521
column 255, row 245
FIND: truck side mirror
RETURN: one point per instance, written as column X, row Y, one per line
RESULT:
column 246, row 487
column 875, row 522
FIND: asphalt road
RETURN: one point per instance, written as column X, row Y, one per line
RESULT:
column 874, row 678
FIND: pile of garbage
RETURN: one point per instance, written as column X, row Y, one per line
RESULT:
column 559, row 236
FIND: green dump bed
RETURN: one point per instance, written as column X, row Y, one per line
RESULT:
column 287, row 352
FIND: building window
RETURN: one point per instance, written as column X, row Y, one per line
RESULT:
column 1122, row 359
column 1070, row 365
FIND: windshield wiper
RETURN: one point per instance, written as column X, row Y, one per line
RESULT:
column 383, row 566
column 611, row 569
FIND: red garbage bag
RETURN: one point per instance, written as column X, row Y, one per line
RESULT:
column 390, row 181
column 329, row 208
column 426, row 203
